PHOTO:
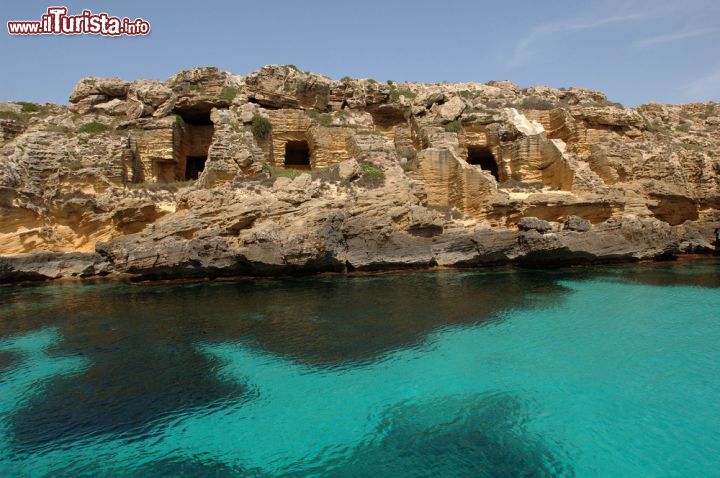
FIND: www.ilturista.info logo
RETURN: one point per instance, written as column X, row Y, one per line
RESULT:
column 57, row 22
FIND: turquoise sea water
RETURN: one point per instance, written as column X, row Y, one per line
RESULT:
column 611, row 372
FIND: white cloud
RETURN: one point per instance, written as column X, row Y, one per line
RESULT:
column 705, row 88
column 627, row 12
column 672, row 37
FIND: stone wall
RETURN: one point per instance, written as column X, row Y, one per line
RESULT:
column 156, row 153
column 328, row 145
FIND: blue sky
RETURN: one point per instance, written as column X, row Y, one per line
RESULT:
column 633, row 50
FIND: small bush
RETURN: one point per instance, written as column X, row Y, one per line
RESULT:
column 153, row 186
column 93, row 127
column 692, row 146
column 293, row 67
column 684, row 128
column 73, row 165
column 56, row 128
column 342, row 115
column 261, row 127
column 489, row 111
column 370, row 80
column 395, row 94
column 285, row 173
column 407, row 153
column 515, row 184
column 372, row 171
column 29, row 107
column 372, row 175
column 655, row 127
column 179, row 120
column 535, row 103
column 229, row 93
column 11, row 115
column 322, row 118
column 454, row 126
column 326, row 174
column 468, row 94
column 345, row 79
column 709, row 111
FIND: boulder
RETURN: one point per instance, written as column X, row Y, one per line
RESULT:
column 153, row 93
column 110, row 87
column 577, row 224
column 349, row 170
column 534, row 224
column 451, row 110
column 114, row 107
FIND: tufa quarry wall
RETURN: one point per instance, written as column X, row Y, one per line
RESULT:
column 283, row 171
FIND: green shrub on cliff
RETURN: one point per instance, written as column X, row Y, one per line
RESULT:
column 29, row 107
column 395, row 94
column 454, row 126
column 229, row 93
column 372, row 176
column 322, row 118
column 93, row 127
column 535, row 103
column 12, row 115
column 260, row 127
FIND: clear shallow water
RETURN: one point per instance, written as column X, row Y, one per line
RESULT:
column 587, row 372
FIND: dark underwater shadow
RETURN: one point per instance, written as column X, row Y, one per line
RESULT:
column 470, row 436
column 142, row 341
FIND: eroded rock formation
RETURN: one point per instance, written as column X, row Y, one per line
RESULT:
column 283, row 171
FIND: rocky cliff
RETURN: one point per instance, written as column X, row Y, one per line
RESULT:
column 282, row 171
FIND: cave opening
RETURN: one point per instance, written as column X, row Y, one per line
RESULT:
column 194, row 165
column 386, row 117
column 197, row 117
column 483, row 157
column 297, row 155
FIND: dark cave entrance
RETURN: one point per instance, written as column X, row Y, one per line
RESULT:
column 483, row 157
column 297, row 155
column 193, row 135
column 194, row 165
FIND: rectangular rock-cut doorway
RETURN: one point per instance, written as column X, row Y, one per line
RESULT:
column 297, row 155
column 482, row 156
column 194, row 165
column 192, row 144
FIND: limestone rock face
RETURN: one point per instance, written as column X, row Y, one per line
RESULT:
column 284, row 171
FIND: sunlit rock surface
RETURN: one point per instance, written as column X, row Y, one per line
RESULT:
column 283, row 171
